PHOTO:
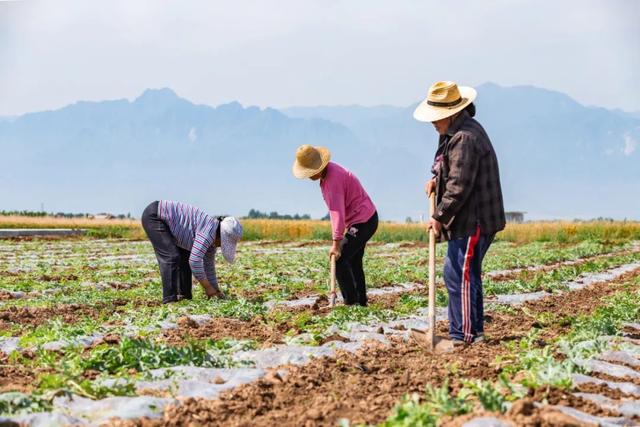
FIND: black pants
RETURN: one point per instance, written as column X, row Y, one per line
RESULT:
column 174, row 261
column 349, row 271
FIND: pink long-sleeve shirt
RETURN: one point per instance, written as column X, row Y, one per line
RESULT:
column 347, row 201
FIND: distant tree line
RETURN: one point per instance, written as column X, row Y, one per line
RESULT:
column 70, row 215
column 60, row 214
column 256, row 214
column 22, row 213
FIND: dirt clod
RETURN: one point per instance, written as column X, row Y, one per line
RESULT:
column 524, row 407
column 186, row 322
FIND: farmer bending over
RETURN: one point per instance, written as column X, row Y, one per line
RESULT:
column 350, row 209
column 469, row 208
column 185, row 239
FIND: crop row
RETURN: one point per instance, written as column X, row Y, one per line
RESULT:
column 138, row 312
column 288, row 273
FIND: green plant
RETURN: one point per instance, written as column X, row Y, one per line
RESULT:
column 487, row 393
column 143, row 355
column 410, row 413
column 14, row 403
column 440, row 402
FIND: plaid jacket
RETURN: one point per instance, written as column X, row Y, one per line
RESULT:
column 468, row 190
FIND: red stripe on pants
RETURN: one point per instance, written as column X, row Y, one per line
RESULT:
column 466, row 286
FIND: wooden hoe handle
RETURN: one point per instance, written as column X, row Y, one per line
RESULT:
column 432, row 270
column 332, row 292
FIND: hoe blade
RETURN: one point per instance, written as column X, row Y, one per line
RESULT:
column 436, row 344
column 332, row 300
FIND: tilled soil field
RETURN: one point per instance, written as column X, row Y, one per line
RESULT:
column 85, row 340
column 364, row 387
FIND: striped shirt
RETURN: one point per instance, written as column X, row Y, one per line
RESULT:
column 194, row 231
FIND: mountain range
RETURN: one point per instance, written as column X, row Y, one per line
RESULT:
column 558, row 158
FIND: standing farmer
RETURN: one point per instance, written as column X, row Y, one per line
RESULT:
column 185, row 240
column 469, row 208
column 350, row 209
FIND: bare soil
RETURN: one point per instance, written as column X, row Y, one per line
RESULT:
column 14, row 377
column 555, row 396
column 524, row 413
column 4, row 296
column 218, row 328
column 69, row 313
column 611, row 393
column 259, row 328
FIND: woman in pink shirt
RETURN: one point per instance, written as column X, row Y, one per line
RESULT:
column 354, row 219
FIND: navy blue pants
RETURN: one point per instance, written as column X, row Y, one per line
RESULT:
column 462, row 276
column 175, row 270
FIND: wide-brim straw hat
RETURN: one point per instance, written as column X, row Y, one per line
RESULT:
column 230, row 235
column 444, row 100
column 310, row 161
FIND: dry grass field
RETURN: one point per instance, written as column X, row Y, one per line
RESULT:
column 287, row 230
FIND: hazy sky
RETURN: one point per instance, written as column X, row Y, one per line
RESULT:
column 296, row 52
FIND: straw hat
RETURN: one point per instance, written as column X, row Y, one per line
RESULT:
column 230, row 234
column 310, row 160
column 444, row 100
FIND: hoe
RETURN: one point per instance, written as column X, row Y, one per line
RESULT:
column 428, row 339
